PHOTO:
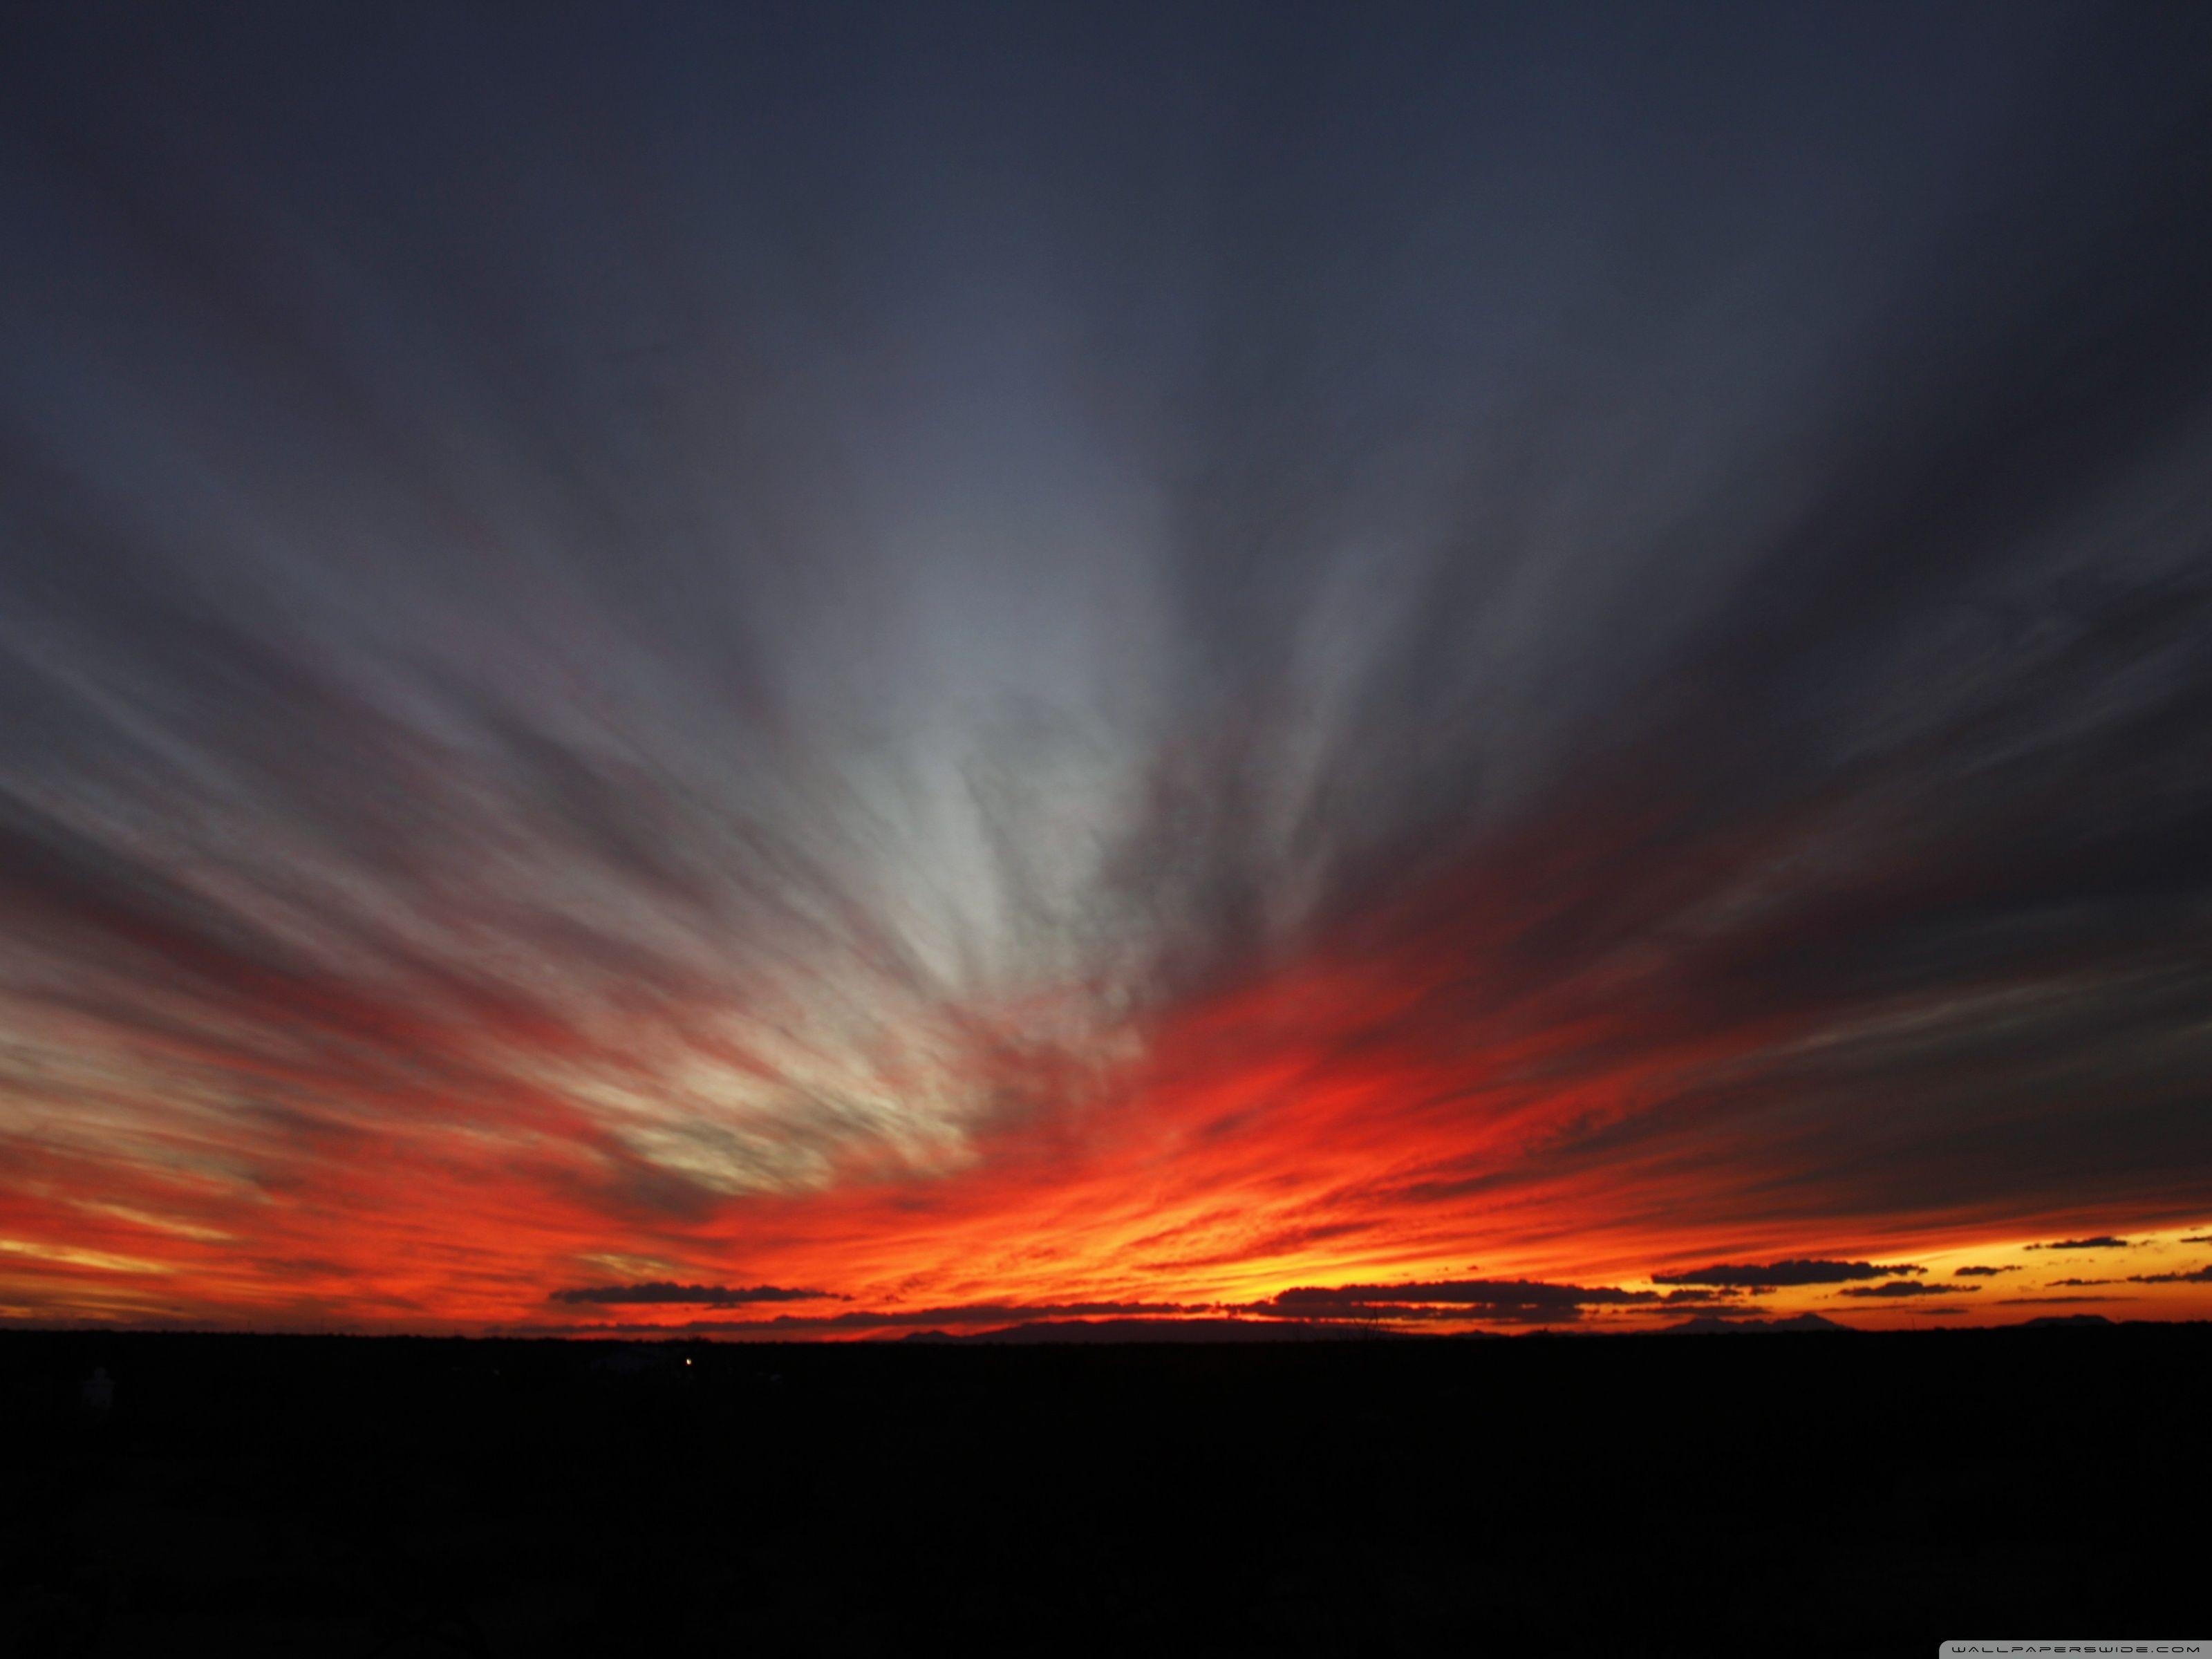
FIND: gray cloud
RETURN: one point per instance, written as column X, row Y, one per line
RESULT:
column 1897, row 1287
column 1516, row 1300
column 956, row 1315
column 2190, row 1276
column 1777, row 1273
column 2102, row 1242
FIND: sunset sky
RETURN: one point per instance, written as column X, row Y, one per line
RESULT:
column 818, row 671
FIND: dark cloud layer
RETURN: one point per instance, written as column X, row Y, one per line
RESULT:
column 993, row 1313
column 2102, row 1242
column 617, row 624
column 1777, row 1274
column 1897, row 1287
column 1520, row 1300
column 1982, row 1271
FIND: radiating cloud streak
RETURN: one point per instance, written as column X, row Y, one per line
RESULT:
column 1153, row 660
column 704, row 1296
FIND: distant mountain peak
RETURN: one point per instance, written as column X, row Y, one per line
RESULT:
column 1704, row 1323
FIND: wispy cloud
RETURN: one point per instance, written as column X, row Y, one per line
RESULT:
column 687, row 1295
column 2102, row 1242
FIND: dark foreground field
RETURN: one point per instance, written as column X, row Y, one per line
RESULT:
column 1785, row 1495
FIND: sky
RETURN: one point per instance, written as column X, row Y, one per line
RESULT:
column 828, row 671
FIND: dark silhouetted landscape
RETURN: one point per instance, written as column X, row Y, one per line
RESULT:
column 1798, row 1494
column 1039, row 827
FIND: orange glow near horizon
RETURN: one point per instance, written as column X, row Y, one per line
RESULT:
column 1321, row 1129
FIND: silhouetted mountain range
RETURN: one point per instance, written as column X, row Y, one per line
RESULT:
column 1704, row 1324
column 1206, row 1487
